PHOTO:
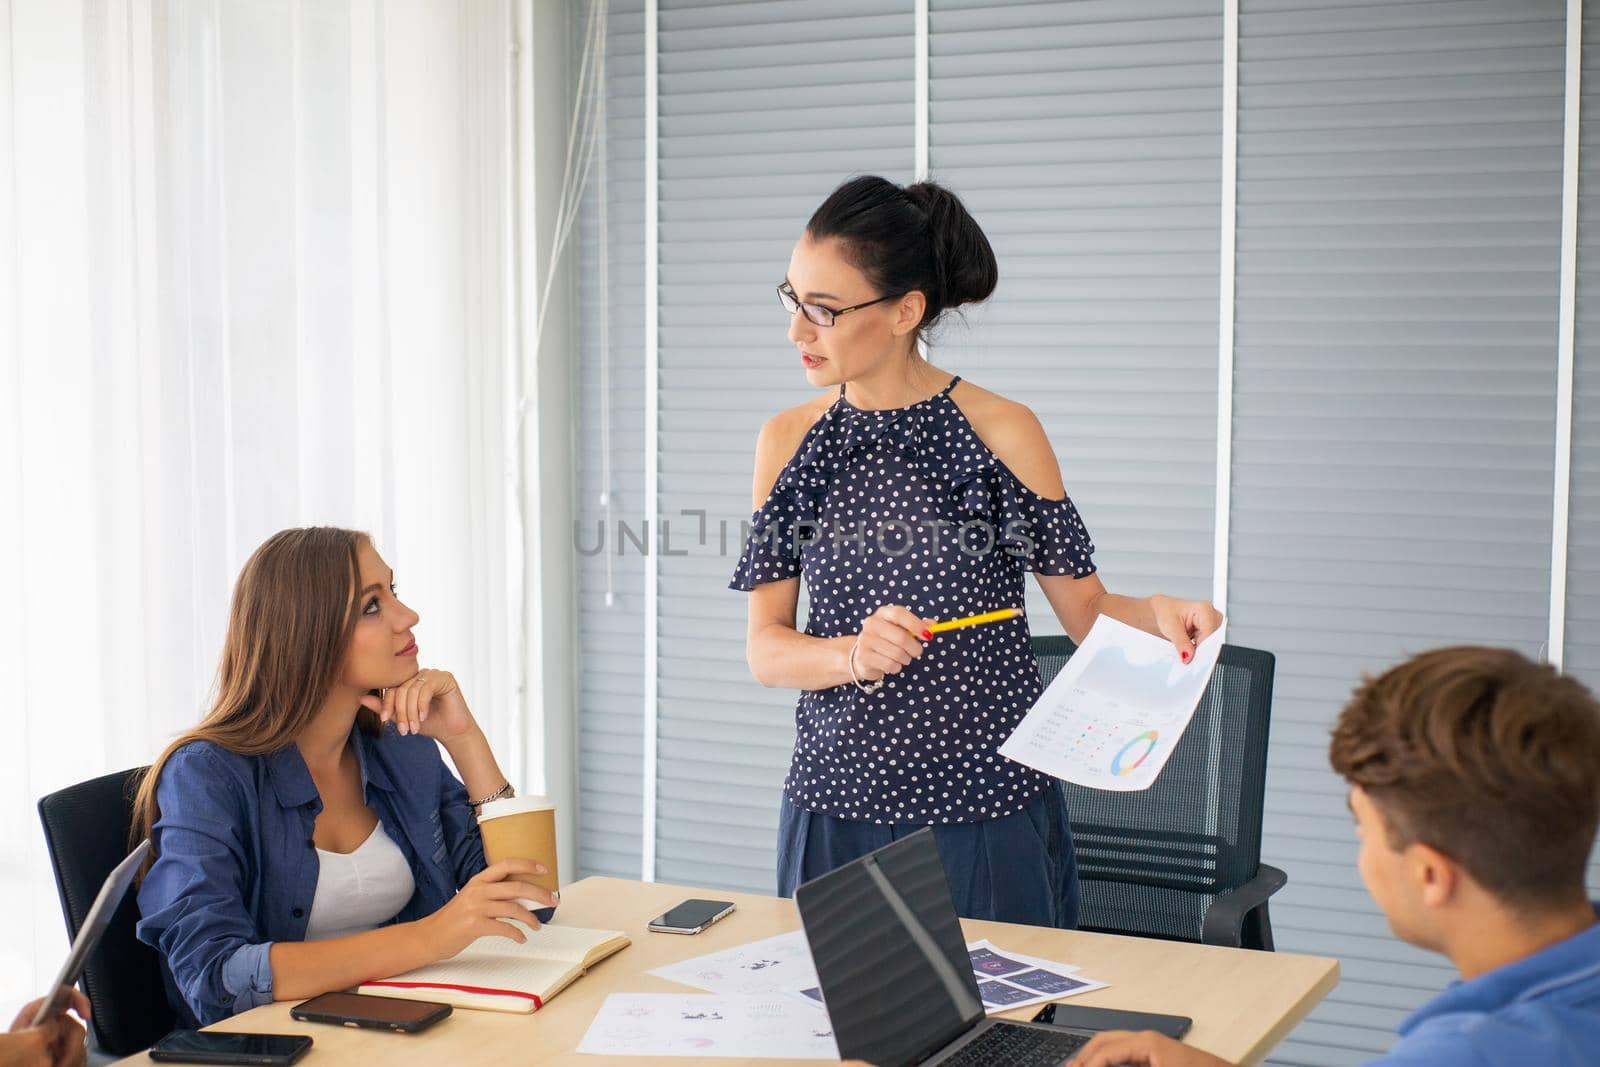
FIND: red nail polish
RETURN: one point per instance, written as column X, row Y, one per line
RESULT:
column 927, row 635
column 1185, row 656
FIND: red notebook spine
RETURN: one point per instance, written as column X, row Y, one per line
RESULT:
column 537, row 1003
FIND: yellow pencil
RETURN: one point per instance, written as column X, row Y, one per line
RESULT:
column 976, row 620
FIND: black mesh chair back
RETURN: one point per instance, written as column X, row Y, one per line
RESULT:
column 86, row 829
column 1182, row 859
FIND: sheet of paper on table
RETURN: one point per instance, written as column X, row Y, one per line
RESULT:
column 782, row 966
column 1112, row 717
column 778, row 964
column 777, row 1026
column 1009, row 980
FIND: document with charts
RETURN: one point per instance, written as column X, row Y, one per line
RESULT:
column 1008, row 980
column 1112, row 717
column 701, row 1026
column 773, row 965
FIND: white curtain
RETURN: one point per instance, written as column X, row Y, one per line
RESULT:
column 253, row 274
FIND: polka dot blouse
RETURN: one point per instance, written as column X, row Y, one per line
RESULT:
column 906, row 506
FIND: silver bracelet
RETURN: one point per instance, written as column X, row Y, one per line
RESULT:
column 505, row 792
column 865, row 687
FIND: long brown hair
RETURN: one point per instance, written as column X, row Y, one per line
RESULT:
column 294, row 612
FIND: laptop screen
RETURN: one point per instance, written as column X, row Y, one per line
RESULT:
column 890, row 956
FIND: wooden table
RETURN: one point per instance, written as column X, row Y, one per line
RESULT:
column 1242, row 1002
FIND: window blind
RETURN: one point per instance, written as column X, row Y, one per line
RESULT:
column 1582, row 652
column 764, row 109
column 610, row 477
column 1399, row 206
column 1086, row 140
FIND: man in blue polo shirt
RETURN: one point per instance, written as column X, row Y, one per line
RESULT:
column 1475, row 784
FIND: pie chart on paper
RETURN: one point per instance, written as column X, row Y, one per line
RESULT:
column 1135, row 752
column 1117, row 711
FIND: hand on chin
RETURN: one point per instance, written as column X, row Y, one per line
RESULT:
column 429, row 702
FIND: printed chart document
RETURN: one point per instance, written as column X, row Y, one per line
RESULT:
column 778, row 964
column 1009, row 980
column 781, row 966
column 776, row 1026
column 1112, row 717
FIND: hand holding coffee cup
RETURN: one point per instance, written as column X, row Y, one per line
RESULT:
column 489, row 905
column 523, row 828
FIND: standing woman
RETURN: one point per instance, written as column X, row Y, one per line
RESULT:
column 307, row 834
column 905, row 495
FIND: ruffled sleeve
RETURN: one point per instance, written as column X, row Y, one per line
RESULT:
column 772, row 548
column 1046, row 536
column 781, row 527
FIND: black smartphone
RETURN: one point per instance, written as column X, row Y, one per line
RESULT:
column 1074, row 1017
column 370, row 1012
column 210, row 1046
column 691, row 916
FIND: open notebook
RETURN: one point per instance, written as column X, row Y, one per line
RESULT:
column 497, row 974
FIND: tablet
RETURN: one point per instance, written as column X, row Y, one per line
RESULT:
column 112, row 890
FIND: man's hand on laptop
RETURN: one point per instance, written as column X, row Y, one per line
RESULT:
column 1143, row 1049
column 58, row 1042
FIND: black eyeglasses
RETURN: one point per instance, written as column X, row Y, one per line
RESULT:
column 822, row 316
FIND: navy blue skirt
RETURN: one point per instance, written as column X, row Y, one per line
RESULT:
column 1017, row 869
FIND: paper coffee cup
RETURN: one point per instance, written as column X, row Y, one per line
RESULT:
column 523, row 828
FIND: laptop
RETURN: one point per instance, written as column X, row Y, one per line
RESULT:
column 112, row 890
column 894, row 972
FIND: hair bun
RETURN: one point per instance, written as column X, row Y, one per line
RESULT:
column 965, row 262
column 917, row 238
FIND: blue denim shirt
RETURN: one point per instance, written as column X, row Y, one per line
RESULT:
column 236, row 868
column 1542, row 1010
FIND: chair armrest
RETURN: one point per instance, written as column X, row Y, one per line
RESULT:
column 1224, row 920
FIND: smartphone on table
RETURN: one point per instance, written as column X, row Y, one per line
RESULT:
column 370, row 1012
column 212, row 1046
column 691, row 916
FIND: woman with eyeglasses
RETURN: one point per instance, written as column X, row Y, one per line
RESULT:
column 902, row 495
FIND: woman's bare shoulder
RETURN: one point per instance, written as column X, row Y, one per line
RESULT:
column 792, row 424
column 779, row 438
column 1011, row 430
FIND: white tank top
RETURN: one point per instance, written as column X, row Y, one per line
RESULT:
column 360, row 890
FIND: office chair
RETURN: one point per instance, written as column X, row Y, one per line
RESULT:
column 86, row 829
column 1182, row 859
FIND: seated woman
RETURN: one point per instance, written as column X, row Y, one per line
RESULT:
column 307, row 833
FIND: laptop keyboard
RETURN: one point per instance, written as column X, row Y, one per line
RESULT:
column 1016, row 1046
